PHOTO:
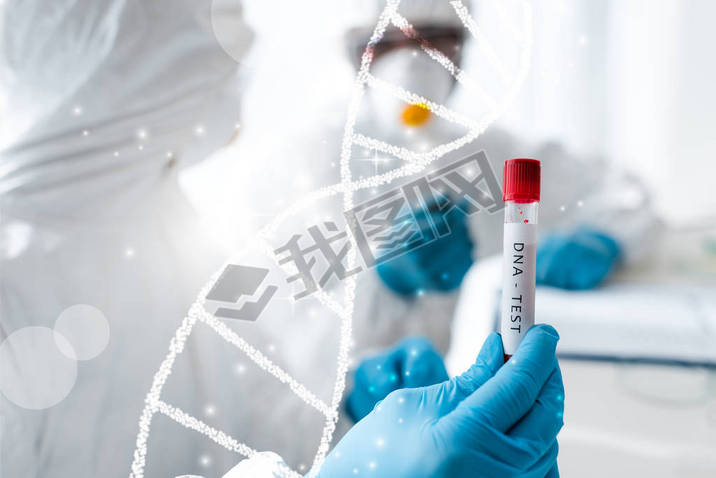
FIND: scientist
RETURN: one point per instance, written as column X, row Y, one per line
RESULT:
column 592, row 218
column 587, row 226
column 104, row 100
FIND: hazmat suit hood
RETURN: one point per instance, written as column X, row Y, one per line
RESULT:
column 111, row 93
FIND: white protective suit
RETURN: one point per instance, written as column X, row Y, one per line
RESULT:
column 576, row 191
column 103, row 105
column 103, row 101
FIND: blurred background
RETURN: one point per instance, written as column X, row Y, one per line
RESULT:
column 96, row 233
column 630, row 81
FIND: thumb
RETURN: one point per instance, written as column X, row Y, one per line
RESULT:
column 509, row 395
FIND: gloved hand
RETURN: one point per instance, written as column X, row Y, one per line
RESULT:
column 494, row 420
column 436, row 266
column 576, row 261
column 411, row 363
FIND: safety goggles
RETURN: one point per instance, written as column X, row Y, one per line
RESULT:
column 447, row 40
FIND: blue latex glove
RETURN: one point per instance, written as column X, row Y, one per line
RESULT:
column 414, row 362
column 576, row 261
column 491, row 421
column 439, row 265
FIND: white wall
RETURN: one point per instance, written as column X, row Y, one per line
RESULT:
column 634, row 80
column 662, row 100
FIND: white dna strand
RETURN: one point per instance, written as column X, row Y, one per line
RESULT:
column 520, row 30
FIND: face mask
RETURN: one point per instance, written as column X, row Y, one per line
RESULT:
column 413, row 70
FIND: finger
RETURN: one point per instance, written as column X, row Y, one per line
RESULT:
column 545, row 464
column 383, row 373
column 512, row 457
column 525, row 460
column 374, row 379
column 544, row 420
column 413, row 362
column 488, row 362
column 509, row 395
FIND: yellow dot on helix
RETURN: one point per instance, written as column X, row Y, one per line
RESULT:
column 416, row 114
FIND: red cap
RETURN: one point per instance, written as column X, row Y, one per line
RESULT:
column 520, row 181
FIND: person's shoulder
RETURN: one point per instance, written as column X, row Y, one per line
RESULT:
column 498, row 137
column 497, row 132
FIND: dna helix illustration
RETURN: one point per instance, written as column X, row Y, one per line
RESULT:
column 412, row 163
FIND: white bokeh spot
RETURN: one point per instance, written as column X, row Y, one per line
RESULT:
column 37, row 370
column 86, row 328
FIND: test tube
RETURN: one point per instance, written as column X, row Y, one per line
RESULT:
column 521, row 194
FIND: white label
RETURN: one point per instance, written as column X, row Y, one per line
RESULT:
column 518, row 283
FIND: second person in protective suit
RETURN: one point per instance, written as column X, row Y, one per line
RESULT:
column 587, row 230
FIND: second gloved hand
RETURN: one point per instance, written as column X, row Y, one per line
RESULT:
column 494, row 420
column 439, row 265
column 411, row 363
column 579, row 260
